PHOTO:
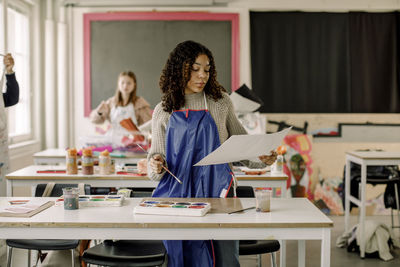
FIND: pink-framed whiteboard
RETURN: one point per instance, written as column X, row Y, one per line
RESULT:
column 232, row 18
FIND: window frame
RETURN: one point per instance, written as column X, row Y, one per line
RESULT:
column 26, row 9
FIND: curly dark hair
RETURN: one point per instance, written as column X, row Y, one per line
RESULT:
column 177, row 71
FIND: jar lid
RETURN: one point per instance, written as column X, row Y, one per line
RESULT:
column 87, row 152
column 281, row 150
column 70, row 190
column 72, row 152
column 105, row 153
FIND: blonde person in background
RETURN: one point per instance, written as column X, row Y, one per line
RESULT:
column 123, row 105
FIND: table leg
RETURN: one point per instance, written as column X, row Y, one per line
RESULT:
column 326, row 247
column 362, row 209
column 347, row 195
column 9, row 188
column 284, row 190
column 283, row 254
column 283, row 242
column 33, row 190
column 396, row 193
column 302, row 253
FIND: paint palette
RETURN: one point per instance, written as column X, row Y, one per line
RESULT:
column 96, row 201
column 172, row 208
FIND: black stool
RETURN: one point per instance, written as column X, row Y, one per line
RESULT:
column 256, row 247
column 41, row 244
column 126, row 253
column 252, row 247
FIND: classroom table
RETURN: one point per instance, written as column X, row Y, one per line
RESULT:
column 289, row 219
column 28, row 176
column 55, row 156
column 364, row 158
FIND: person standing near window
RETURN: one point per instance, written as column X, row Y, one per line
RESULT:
column 10, row 98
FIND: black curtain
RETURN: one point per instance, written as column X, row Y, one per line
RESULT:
column 374, row 67
column 300, row 61
column 325, row 62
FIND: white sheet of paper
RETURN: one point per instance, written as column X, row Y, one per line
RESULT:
column 240, row 147
column 242, row 104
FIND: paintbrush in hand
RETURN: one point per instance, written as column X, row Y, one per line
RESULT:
column 165, row 168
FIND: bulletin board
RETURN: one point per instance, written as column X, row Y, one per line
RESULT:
column 142, row 41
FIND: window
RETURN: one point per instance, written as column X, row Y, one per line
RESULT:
column 19, row 43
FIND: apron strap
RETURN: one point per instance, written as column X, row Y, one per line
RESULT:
column 234, row 185
column 205, row 100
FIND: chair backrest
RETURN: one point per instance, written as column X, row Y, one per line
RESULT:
column 245, row 191
column 57, row 189
column 142, row 192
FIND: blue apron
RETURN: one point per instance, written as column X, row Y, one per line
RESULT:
column 191, row 135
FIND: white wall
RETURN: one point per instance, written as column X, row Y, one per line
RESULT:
column 328, row 155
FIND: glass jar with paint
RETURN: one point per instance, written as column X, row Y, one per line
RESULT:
column 105, row 162
column 277, row 167
column 263, row 198
column 71, row 161
column 112, row 166
column 71, row 198
column 87, row 162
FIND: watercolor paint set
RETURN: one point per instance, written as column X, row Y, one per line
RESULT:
column 172, row 208
column 96, row 201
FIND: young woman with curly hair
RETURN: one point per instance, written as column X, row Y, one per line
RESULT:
column 194, row 117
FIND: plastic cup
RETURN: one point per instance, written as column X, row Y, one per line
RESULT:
column 263, row 199
column 71, row 198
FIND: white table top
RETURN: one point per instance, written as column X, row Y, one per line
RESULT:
column 378, row 155
column 285, row 213
column 55, row 152
column 60, row 153
column 30, row 173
